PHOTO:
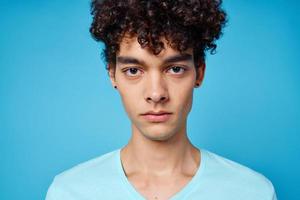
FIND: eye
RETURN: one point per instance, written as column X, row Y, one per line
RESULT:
column 176, row 69
column 132, row 71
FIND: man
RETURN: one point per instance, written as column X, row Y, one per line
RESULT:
column 155, row 50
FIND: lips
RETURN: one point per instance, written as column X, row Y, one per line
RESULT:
column 161, row 116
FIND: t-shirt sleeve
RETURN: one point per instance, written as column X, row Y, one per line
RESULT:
column 56, row 191
column 274, row 196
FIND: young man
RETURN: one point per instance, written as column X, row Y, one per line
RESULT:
column 155, row 51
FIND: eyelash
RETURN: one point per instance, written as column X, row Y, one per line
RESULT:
column 181, row 68
column 169, row 68
column 128, row 69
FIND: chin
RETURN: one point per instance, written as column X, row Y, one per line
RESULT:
column 161, row 135
column 157, row 138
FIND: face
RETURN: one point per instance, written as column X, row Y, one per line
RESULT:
column 156, row 90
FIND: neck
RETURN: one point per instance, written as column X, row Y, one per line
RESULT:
column 175, row 155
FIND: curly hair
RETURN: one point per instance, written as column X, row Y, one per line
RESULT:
column 184, row 24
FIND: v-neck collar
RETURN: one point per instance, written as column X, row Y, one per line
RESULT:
column 179, row 195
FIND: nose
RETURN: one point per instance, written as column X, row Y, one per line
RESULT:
column 156, row 89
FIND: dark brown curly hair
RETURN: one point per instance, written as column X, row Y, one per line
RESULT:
column 184, row 24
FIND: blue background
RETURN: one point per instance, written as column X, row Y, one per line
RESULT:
column 57, row 107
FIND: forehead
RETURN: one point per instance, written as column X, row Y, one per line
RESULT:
column 129, row 46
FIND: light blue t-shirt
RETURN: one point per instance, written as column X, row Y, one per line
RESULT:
column 217, row 178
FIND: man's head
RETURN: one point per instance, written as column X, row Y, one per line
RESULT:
column 195, row 24
column 155, row 52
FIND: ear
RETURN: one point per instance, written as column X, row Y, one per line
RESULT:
column 200, row 71
column 111, row 73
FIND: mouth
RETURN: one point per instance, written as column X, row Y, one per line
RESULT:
column 157, row 117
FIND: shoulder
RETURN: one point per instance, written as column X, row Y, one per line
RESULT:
column 88, row 177
column 89, row 170
column 237, row 177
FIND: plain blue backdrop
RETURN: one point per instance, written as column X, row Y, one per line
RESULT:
column 57, row 107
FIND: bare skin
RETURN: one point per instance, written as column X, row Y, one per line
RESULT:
column 159, row 171
column 159, row 159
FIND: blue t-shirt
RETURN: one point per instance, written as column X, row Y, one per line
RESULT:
column 217, row 178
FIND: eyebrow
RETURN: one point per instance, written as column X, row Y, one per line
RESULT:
column 171, row 59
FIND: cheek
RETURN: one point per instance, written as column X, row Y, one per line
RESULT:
column 126, row 100
column 188, row 101
column 130, row 99
column 126, row 92
column 184, row 98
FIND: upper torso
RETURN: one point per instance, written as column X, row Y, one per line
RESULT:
column 216, row 178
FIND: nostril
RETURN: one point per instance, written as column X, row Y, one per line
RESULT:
column 161, row 99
